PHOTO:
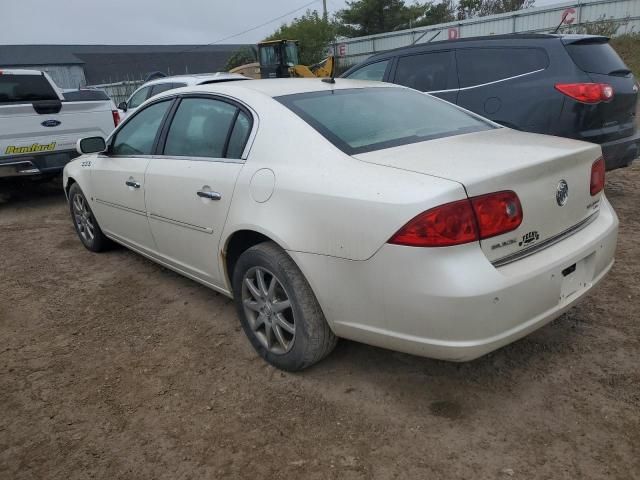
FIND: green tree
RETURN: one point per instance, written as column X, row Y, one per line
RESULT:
column 435, row 13
column 313, row 33
column 241, row 57
column 368, row 17
column 481, row 8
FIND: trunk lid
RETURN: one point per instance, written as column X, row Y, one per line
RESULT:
column 531, row 165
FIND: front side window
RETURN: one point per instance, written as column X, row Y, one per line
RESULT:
column 477, row 66
column 137, row 136
column 373, row 71
column 359, row 120
column 200, row 128
column 138, row 98
column 427, row 72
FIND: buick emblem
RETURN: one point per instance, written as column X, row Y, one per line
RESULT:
column 562, row 193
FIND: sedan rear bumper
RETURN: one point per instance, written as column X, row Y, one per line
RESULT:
column 452, row 303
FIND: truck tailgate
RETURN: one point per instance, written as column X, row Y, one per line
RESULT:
column 23, row 131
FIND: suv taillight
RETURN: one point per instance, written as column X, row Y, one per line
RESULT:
column 587, row 92
column 597, row 176
column 116, row 117
column 463, row 221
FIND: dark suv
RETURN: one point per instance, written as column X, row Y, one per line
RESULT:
column 572, row 86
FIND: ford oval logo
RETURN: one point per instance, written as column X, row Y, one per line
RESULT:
column 562, row 193
column 50, row 123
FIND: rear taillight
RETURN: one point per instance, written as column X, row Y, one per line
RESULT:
column 116, row 117
column 497, row 213
column 443, row 226
column 463, row 221
column 597, row 176
column 587, row 92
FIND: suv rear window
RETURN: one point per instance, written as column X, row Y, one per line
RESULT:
column 25, row 89
column 477, row 66
column 359, row 120
column 596, row 58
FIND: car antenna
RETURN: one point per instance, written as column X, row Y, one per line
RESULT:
column 564, row 17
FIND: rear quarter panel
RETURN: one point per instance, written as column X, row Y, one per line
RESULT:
column 324, row 201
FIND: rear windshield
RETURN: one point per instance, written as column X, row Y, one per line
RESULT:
column 25, row 89
column 597, row 58
column 366, row 119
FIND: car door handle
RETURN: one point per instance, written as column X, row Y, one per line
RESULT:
column 208, row 194
column 132, row 183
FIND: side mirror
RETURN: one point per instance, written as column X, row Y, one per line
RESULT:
column 91, row 145
column 123, row 106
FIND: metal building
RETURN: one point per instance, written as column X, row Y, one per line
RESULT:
column 533, row 20
column 73, row 66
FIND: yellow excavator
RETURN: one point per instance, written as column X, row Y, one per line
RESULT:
column 279, row 59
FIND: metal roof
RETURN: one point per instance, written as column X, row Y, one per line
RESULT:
column 110, row 63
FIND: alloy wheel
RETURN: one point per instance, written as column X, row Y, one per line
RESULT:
column 268, row 309
column 83, row 218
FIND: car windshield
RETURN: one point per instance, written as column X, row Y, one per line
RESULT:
column 365, row 119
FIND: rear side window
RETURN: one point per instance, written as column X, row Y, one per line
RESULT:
column 200, row 128
column 373, row 71
column 25, row 89
column 427, row 72
column 596, row 58
column 477, row 66
column 359, row 120
column 239, row 135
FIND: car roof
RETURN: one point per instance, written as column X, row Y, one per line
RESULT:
column 198, row 78
column 483, row 39
column 280, row 86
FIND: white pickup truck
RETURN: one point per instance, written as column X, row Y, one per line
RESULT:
column 39, row 127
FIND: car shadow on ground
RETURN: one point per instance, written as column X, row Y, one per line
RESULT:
column 31, row 191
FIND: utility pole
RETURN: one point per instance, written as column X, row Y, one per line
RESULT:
column 325, row 17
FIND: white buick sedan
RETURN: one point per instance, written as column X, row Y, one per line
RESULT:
column 351, row 209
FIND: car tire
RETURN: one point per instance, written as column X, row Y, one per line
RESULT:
column 280, row 313
column 85, row 223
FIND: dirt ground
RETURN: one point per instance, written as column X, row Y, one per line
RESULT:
column 113, row 367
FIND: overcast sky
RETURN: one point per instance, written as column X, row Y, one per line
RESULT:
column 150, row 21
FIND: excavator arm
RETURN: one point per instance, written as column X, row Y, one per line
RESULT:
column 322, row 69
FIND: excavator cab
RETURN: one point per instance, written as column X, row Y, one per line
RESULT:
column 277, row 57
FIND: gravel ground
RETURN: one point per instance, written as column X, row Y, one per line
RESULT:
column 113, row 367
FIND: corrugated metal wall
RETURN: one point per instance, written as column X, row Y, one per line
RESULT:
column 351, row 51
column 65, row 76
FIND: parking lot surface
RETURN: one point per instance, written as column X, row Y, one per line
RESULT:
column 113, row 367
